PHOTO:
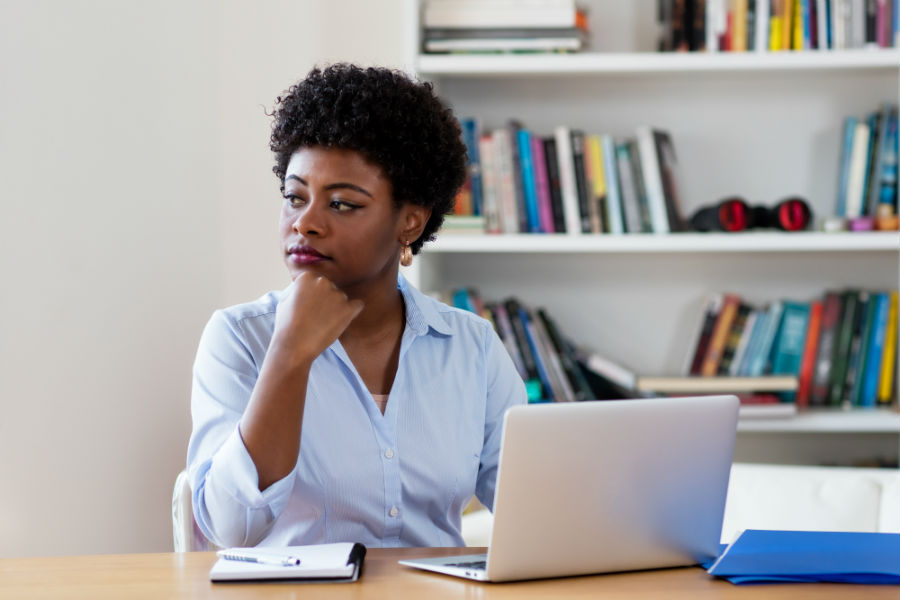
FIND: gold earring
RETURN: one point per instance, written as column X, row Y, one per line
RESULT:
column 406, row 255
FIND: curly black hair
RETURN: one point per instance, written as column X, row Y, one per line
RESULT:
column 392, row 121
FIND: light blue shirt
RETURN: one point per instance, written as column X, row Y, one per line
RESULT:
column 398, row 479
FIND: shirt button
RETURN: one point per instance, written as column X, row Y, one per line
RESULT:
column 394, row 511
column 389, row 453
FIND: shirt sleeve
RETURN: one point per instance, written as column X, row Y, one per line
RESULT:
column 505, row 388
column 227, row 503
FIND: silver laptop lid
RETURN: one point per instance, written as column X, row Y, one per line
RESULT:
column 612, row 485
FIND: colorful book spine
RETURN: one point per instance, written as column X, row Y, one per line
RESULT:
column 889, row 357
column 760, row 363
column 596, row 184
column 855, row 357
column 576, row 141
column 790, row 342
column 542, row 185
column 753, row 344
column 831, row 315
column 490, row 184
column 871, row 368
column 529, row 189
column 714, row 351
column 842, row 343
column 471, row 132
column 556, row 203
column 808, row 361
column 509, row 212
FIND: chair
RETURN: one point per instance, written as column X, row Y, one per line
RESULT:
column 186, row 535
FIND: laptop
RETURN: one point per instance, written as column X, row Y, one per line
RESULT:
column 605, row 486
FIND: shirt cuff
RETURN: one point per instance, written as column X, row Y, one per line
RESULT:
column 240, row 477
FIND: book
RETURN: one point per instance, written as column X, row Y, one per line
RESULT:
column 504, row 329
column 613, row 197
column 697, row 349
column 485, row 14
column 542, row 185
column 576, row 140
column 668, row 171
column 855, row 355
column 746, row 335
column 873, row 344
column 856, row 176
column 581, row 389
column 808, row 361
column 598, row 188
column 533, row 380
column 652, row 180
column 513, row 126
column 570, row 199
column 553, row 183
column 716, row 384
column 341, row 562
column 787, row 351
column 889, row 357
column 627, row 191
column 733, row 339
column 831, row 314
column 506, row 176
column 841, row 351
column 844, row 166
column 758, row 556
column 760, row 326
column 760, row 361
column 490, row 184
column 716, row 347
column 471, row 132
column 529, row 185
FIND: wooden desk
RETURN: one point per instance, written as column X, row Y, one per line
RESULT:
column 177, row 576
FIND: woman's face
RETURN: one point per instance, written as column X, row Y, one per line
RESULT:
column 338, row 219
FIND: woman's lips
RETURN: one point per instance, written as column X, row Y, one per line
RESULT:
column 305, row 255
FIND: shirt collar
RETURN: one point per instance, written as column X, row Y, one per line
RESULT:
column 421, row 313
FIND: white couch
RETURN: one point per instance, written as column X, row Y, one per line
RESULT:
column 785, row 497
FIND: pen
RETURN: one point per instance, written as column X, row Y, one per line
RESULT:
column 262, row 559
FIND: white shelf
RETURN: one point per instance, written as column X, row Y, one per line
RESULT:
column 883, row 241
column 508, row 65
column 828, row 421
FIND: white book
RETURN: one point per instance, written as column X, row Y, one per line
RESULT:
column 567, row 186
column 656, row 199
column 856, row 179
column 503, row 44
column 489, row 181
column 821, row 24
column 761, row 43
column 509, row 212
column 499, row 13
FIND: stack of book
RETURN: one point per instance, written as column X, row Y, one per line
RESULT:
column 572, row 182
column 840, row 347
column 478, row 26
column 867, row 173
column 777, row 25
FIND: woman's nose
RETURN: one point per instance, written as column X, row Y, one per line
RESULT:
column 309, row 221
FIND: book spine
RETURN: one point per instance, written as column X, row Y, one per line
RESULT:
column 576, row 142
column 665, row 153
column 788, row 353
column 741, row 350
column 533, row 380
column 871, row 369
column 630, row 209
column 822, row 24
column 843, row 339
column 471, row 133
column 580, row 387
column 594, row 158
column 711, row 307
column 652, row 180
column 513, row 127
column 540, row 360
column 889, row 358
column 855, row 356
column 508, row 337
column 716, row 346
column 761, row 359
column 529, row 189
column 887, row 197
column 759, row 327
column 556, row 204
column 831, row 314
column 613, row 198
column 856, row 175
column 808, row 361
column 562, row 390
column 844, row 168
column 567, row 179
column 509, row 212
column 640, row 191
column 761, row 29
column 542, row 184
column 733, row 339
column 486, row 151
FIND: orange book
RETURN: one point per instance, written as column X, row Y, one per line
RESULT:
column 808, row 361
column 730, row 303
column 787, row 24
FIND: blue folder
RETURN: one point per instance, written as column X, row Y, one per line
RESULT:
column 759, row 556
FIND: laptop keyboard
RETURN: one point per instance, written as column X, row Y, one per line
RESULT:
column 475, row 564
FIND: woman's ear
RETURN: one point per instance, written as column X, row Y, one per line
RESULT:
column 413, row 221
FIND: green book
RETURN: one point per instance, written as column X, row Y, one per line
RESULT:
column 787, row 352
column 840, row 361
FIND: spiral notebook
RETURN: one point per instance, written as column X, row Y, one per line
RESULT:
column 340, row 562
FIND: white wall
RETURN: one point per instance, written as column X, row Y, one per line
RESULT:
column 136, row 196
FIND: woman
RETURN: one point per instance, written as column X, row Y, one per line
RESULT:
column 349, row 406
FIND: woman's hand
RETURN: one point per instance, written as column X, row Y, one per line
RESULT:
column 311, row 315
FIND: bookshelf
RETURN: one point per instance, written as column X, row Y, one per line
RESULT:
column 757, row 124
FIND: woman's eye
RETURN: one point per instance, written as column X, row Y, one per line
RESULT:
column 343, row 205
column 293, row 200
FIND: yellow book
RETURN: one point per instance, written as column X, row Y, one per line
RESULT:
column 787, row 23
column 798, row 26
column 889, row 358
column 594, row 152
column 739, row 26
column 775, row 27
